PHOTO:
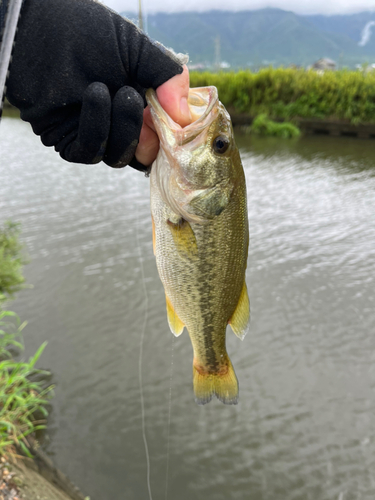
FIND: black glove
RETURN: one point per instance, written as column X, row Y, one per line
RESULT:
column 78, row 74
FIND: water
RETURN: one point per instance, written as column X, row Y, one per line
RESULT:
column 304, row 428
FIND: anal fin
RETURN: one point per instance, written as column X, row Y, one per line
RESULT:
column 175, row 324
column 240, row 319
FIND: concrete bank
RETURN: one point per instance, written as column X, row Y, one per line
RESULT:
column 315, row 126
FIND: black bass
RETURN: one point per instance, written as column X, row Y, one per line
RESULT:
column 201, row 236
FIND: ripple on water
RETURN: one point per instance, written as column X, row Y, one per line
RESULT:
column 303, row 429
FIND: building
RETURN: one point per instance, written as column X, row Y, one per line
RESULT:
column 324, row 64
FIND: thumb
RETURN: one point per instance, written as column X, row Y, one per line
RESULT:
column 173, row 97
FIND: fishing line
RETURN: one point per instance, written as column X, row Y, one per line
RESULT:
column 140, row 360
column 170, row 401
column 169, row 419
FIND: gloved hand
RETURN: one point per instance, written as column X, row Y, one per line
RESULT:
column 78, row 74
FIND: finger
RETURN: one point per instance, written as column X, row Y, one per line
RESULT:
column 148, row 146
column 126, row 124
column 147, row 118
column 173, row 97
column 89, row 143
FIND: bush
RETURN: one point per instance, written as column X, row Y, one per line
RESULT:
column 262, row 125
column 12, row 260
column 287, row 93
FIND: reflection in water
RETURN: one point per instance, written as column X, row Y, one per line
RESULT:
column 341, row 152
column 304, row 426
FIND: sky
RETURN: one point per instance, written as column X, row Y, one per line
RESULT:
column 298, row 6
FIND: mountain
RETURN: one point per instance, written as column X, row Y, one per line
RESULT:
column 350, row 25
column 265, row 36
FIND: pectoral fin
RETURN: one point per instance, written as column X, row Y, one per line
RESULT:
column 175, row 324
column 184, row 238
column 240, row 320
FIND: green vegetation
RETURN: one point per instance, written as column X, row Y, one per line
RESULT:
column 12, row 260
column 295, row 93
column 22, row 399
column 262, row 125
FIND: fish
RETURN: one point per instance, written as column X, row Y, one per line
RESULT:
column 201, row 236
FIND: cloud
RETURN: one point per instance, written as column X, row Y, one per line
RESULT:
column 366, row 33
column 304, row 7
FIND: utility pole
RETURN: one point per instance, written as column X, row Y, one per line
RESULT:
column 217, row 53
column 140, row 18
column 341, row 56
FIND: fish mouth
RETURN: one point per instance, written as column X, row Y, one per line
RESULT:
column 202, row 102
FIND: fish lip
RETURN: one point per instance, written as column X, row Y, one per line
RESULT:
column 167, row 128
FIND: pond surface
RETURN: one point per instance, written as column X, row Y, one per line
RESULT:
column 304, row 427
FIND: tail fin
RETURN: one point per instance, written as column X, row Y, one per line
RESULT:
column 222, row 385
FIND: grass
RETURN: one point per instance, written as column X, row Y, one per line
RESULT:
column 20, row 397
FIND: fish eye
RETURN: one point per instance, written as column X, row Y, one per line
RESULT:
column 220, row 144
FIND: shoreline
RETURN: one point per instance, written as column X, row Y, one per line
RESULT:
column 308, row 126
column 36, row 479
column 317, row 126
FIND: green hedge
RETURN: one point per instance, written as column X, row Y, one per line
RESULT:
column 290, row 93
